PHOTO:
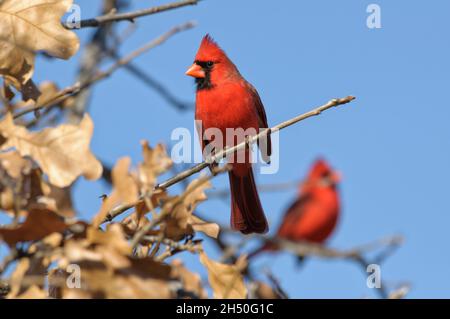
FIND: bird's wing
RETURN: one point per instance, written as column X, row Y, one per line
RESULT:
column 201, row 133
column 292, row 215
column 264, row 143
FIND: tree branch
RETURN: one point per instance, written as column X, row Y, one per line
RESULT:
column 163, row 91
column 223, row 153
column 77, row 87
column 251, row 140
column 92, row 56
column 130, row 16
column 356, row 254
column 165, row 213
column 275, row 187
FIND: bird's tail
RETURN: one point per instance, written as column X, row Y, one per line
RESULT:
column 247, row 214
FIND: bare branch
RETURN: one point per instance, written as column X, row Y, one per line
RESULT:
column 276, row 283
column 311, row 249
column 92, row 56
column 163, row 91
column 165, row 213
column 303, row 249
column 130, row 16
column 275, row 187
column 77, row 87
column 221, row 154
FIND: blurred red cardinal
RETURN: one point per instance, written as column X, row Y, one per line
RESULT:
column 224, row 100
column 313, row 215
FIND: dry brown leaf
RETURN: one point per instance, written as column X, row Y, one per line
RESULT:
column 125, row 190
column 76, row 251
column 14, row 163
column 17, row 276
column 112, row 258
column 142, row 278
column 40, row 223
column 199, row 225
column 58, row 199
column 123, row 182
column 53, row 240
column 191, row 282
column 48, row 91
column 7, row 200
column 156, row 161
column 113, row 237
column 29, row 26
column 225, row 280
column 132, row 222
column 108, row 248
column 264, row 291
column 179, row 222
column 109, row 203
column 33, row 292
column 27, row 190
column 78, row 294
column 18, row 177
column 62, row 152
column 125, row 287
column 152, row 201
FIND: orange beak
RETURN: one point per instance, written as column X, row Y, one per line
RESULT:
column 336, row 177
column 196, row 71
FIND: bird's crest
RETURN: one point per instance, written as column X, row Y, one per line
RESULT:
column 319, row 169
column 209, row 50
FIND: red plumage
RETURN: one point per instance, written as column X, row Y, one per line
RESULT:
column 314, row 214
column 224, row 99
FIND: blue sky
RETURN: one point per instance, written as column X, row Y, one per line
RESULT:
column 391, row 144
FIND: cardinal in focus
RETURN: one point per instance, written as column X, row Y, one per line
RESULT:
column 225, row 100
column 313, row 216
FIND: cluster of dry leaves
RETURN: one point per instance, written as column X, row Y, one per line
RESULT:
column 27, row 27
column 125, row 259
column 51, row 253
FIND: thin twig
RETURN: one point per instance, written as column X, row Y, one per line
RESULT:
column 118, row 210
column 77, row 87
column 166, row 212
column 275, row 187
column 356, row 254
column 130, row 16
column 276, row 284
column 251, row 140
column 312, row 249
column 163, row 91
column 92, row 56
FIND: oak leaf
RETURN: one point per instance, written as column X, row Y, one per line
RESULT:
column 156, row 161
column 31, row 26
column 125, row 190
column 39, row 224
column 33, row 292
column 191, row 282
column 48, row 91
column 180, row 221
column 62, row 152
column 210, row 229
column 262, row 290
column 225, row 280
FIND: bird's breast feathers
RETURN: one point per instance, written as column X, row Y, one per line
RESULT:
column 227, row 106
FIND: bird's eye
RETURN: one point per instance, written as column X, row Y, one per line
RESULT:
column 209, row 64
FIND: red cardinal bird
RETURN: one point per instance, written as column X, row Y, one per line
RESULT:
column 225, row 100
column 313, row 215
